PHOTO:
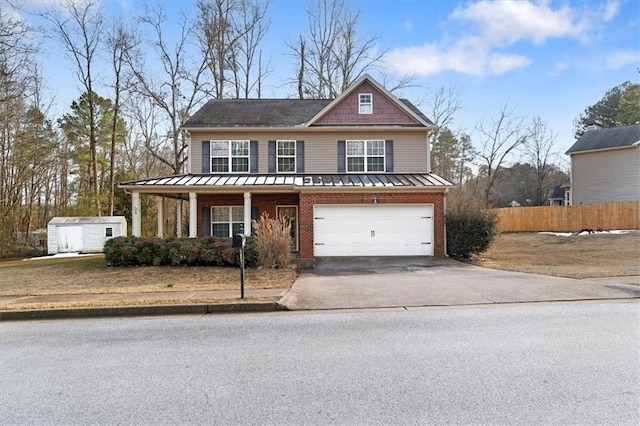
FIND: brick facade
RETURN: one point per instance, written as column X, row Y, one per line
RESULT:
column 264, row 202
column 305, row 202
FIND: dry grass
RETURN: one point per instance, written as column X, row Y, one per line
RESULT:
column 90, row 275
column 584, row 256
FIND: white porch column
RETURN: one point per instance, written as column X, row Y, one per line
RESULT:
column 136, row 228
column 160, row 204
column 247, row 213
column 193, row 215
column 178, row 219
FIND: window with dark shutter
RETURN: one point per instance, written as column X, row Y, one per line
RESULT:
column 342, row 159
column 206, row 157
column 300, row 156
column 253, row 157
column 272, row 156
column 388, row 153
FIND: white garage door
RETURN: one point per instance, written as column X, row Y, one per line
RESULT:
column 373, row 230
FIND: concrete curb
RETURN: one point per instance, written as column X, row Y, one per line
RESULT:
column 145, row 310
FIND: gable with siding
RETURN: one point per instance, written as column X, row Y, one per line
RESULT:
column 385, row 111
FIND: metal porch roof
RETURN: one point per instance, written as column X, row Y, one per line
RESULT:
column 294, row 181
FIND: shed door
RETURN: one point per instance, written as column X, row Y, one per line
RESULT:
column 69, row 239
column 373, row 230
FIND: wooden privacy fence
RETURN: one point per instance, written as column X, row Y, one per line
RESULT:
column 621, row 215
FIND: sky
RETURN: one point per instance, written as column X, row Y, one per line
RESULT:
column 547, row 59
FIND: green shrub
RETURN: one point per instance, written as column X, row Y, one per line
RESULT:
column 470, row 231
column 273, row 237
column 206, row 251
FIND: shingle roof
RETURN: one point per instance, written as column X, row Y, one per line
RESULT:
column 256, row 112
column 415, row 109
column 558, row 193
column 614, row 137
column 265, row 112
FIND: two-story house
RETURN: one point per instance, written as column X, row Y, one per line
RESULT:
column 605, row 165
column 352, row 174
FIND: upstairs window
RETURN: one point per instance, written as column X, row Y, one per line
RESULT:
column 286, row 156
column 365, row 103
column 365, row 156
column 108, row 232
column 229, row 156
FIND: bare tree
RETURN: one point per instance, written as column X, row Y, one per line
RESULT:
column 15, row 57
column 538, row 148
column 79, row 29
column 175, row 91
column 172, row 92
column 230, row 32
column 500, row 137
column 254, row 25
column 119, row 42
column 443, row 104
column 333, row 55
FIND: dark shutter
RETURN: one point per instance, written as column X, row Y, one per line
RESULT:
column 299, row 156
column 272, row 156
column 205, row 224
column 388, row 155
column 206, row 157
column 253, row 157
column 255, row 215
column 342, row 157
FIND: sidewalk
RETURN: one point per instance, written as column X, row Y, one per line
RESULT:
column 141, row 304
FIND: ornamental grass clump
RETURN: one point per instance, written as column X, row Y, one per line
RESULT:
column 273, row 238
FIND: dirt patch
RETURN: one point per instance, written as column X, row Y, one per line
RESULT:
column 577, row 256
column 90, row 275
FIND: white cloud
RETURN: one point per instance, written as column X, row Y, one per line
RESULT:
column 490, row 28
column 610, row 10
column 499, row 64
column 620, row 59
column 408, row 25
column 468, row 56
column 507, row 22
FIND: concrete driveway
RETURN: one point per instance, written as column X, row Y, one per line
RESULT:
column 376, row 282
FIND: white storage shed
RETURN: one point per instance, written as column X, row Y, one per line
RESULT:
column 83, row 234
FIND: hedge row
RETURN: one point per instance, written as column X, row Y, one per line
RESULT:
column 205, row 251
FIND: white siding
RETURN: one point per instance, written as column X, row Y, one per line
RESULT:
column 605, row 176
column 93, row 235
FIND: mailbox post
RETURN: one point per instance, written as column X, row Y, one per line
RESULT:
column 239, row 241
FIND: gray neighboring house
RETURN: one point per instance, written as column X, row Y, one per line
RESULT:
column 560, row 196
column 605, row 165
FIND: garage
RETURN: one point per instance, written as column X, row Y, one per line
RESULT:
column 373, row 230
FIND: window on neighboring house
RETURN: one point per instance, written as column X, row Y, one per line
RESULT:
column 229, row 156
column 226, row 221
column 365, row 156
column 365, row 103
column 108, row 232
column 286, row 156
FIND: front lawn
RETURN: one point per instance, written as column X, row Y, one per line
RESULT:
column 90, row 275
column 575, row 256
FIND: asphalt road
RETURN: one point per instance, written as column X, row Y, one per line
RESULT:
column 561, row 363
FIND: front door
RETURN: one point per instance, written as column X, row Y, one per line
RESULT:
column 291, row 214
